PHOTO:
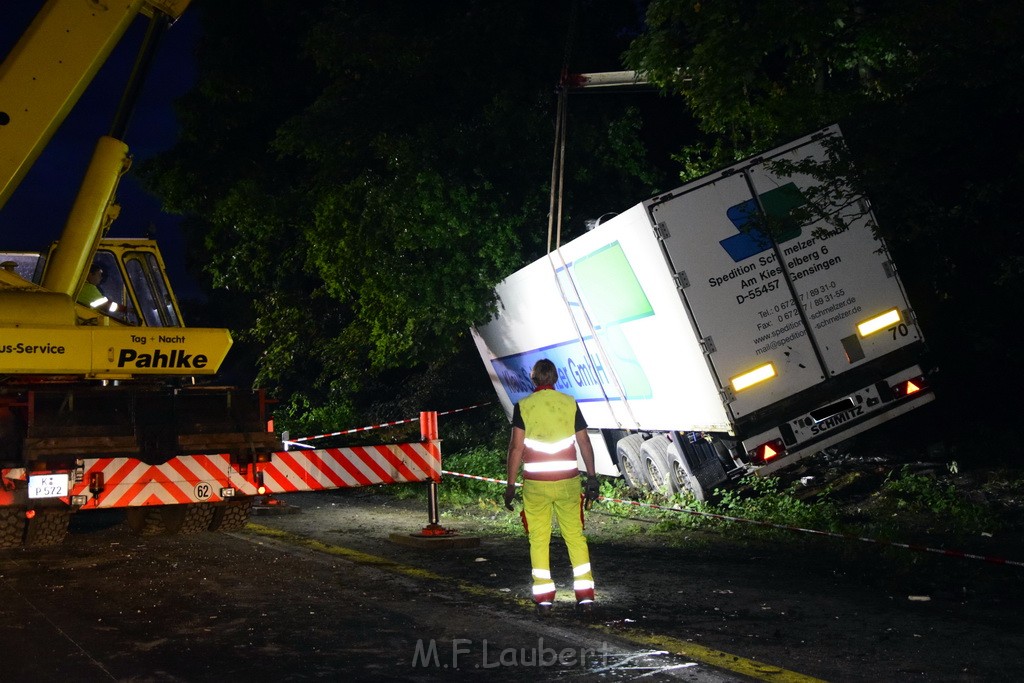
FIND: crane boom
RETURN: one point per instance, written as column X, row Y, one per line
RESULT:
column 49, row 69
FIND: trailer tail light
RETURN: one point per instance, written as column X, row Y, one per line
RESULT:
column 879, row 322
column 261, row 489
column 768, row 452
column 909, row 387
column 96, row 483
column 755, row 376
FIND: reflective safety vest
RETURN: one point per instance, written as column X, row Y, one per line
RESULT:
column 550, row 445
column 93, row 297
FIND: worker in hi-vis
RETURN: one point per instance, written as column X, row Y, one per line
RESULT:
column 546, row 427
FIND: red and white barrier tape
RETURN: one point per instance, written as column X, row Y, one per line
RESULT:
column 382, row 425
column 772, row 525
column 478, row 478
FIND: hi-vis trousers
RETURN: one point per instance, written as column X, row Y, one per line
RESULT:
column 540, row 499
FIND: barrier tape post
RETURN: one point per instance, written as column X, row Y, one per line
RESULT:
column 429, row 432
column 433, row 535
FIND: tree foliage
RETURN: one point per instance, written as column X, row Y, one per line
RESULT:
column 366, row 172
column 927, row 94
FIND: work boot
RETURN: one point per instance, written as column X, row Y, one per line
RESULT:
column 543, row 609
column 585, row 609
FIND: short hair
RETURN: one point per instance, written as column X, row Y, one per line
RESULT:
column 544, row 372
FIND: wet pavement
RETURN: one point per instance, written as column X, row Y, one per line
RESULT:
column 111, row 606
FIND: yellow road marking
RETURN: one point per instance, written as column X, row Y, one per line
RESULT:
column 716, row 658
column 698, row 653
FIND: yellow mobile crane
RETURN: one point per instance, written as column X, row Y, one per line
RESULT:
column 98, row 388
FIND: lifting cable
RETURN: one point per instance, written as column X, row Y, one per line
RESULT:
column 555, row 206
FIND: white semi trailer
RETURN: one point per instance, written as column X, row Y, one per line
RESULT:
column 736, row 324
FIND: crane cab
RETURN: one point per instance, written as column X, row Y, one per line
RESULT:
column 134, row 282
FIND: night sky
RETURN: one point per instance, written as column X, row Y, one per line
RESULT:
column 35, row 214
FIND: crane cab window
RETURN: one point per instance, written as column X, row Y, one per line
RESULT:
column 109, row 281
column 27, row 265
column 156, row 305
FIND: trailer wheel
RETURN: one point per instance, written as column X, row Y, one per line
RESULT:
column 231, row 516
column 48, row 527
column 657, row 466
column 627, row 451
column 678, row 471
column 12, row 528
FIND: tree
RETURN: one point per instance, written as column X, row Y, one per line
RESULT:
column 927, row 95
column 367, row 171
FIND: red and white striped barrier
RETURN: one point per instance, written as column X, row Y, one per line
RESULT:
column 127, row 482
column 332, row 468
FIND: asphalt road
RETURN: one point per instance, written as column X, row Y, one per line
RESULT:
column 111, row 606
column 326, row 594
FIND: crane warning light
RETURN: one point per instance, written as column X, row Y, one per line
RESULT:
column 879, row 322
column 755, row 376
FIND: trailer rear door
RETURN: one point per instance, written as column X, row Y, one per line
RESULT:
column 782, row 302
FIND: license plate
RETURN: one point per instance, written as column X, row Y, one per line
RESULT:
column 47, row 485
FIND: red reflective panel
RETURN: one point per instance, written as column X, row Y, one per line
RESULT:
column 768, row 451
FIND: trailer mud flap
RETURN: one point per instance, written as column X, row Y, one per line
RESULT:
column 702, row 469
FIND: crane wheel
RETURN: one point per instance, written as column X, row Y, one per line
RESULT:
column 12, row 528
column 48, row 527
column 163, row 520
column 232, row 515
